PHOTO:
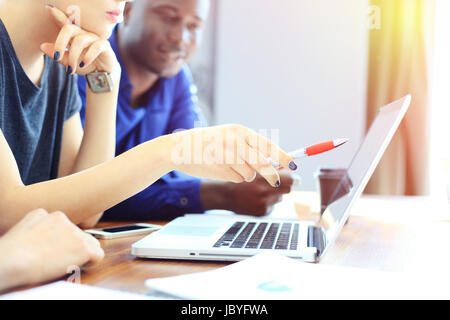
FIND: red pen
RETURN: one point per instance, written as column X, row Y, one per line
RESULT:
column 314, row 149
column 317, row 148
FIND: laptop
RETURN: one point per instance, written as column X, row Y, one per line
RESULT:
column 234, row 238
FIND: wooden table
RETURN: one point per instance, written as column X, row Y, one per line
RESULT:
column 403, row 238
column 123, row 271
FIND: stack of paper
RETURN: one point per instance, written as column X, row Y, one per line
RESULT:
column 272, row 276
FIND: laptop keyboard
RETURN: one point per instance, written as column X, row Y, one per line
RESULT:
column 263, row 235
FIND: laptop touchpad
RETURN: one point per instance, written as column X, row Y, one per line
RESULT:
column 191, row 231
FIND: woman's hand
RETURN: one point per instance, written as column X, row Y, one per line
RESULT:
column 43, row 247
column 80, row 51
column 228, row 152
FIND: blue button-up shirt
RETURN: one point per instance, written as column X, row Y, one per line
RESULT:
column 169, row 105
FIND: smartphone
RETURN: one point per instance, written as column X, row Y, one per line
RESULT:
column 123, row 231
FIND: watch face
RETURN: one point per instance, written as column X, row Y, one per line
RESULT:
column 99, row 82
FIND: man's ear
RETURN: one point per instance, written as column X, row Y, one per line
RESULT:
column 127, row 11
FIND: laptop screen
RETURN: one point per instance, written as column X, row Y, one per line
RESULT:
column 340, row 188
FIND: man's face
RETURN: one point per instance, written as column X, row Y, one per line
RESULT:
column 162, row 35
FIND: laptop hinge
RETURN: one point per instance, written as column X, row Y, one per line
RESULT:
column 317, row 239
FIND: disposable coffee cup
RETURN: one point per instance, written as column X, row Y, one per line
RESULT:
column 334, row 184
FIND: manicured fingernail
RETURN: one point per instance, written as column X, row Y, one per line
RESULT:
column 57, row 55
column 82, row 64
column 292, row 166
column 277, row 184
column 69, row 69
column 49, row 5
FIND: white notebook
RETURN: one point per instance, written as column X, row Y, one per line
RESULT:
column 63, row 290
column 272, row 276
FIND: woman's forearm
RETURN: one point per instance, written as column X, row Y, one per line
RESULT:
column 84, row 194
column 222, row 153
column 99, row 138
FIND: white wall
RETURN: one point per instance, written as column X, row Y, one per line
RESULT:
column 203, row 64
column 294, row 65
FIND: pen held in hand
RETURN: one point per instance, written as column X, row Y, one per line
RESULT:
column 314, row 149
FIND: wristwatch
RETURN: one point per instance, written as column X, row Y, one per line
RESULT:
column 99, row 81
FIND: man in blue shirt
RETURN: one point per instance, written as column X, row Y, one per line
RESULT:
column 157, row 96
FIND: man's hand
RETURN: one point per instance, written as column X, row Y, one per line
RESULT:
column 41, row 247
column 255, row 198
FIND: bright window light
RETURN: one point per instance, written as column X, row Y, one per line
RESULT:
column 440, row 105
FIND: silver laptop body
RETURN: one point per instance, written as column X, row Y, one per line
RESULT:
column 233, row 238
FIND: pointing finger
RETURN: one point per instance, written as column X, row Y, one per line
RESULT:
column 270, row 150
